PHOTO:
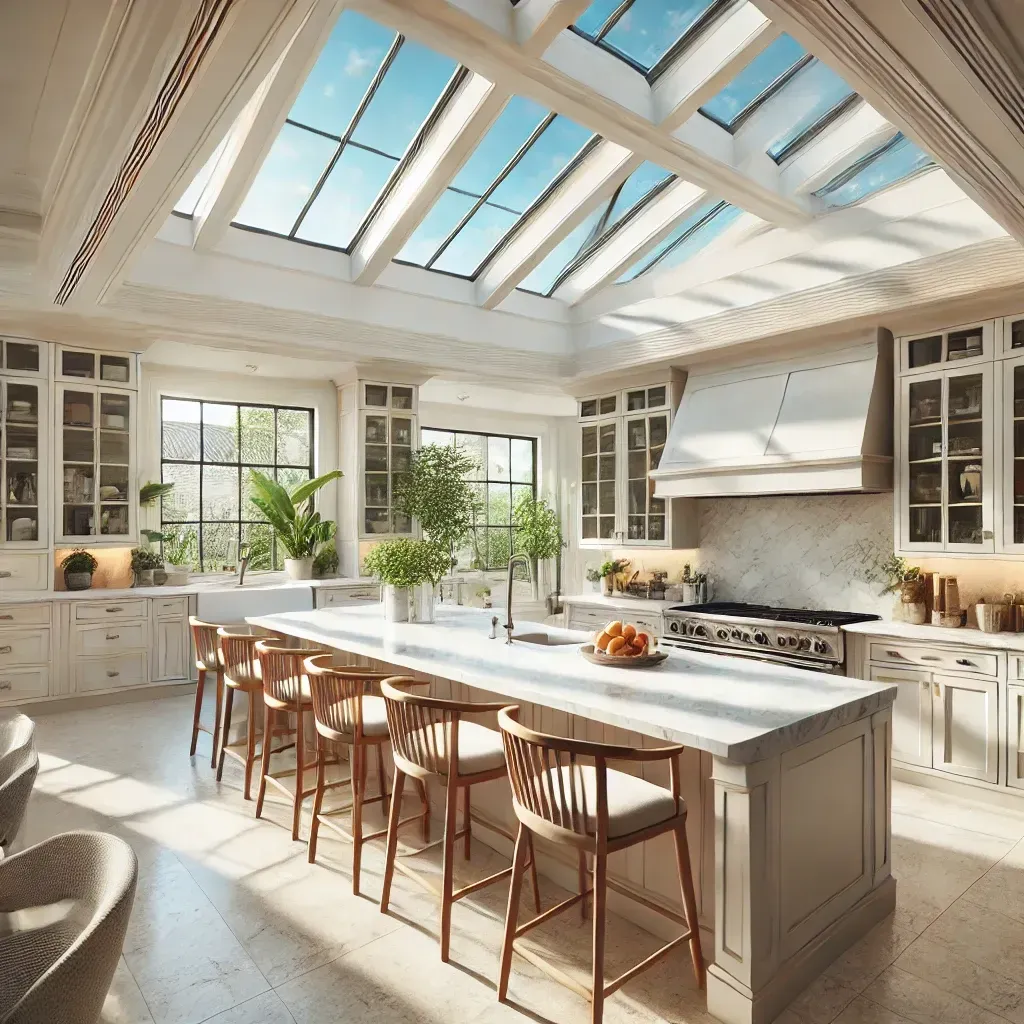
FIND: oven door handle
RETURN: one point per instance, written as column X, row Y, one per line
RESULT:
column 825, row 667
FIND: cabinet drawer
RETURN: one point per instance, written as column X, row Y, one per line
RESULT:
column 583, row 615
column 104, row 611
column 110, row 673
column 24, row 572
column 112, row 638
column 21, row 683
column 170, row 608
column 947, row 659
column 347, row 595
column 24, row 615
column 25, row 647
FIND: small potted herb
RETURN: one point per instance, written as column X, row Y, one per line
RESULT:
column 78, row 569
column 900, row 576
column 144, row 562
column 594, row 578
column 608, row 572
column 400, row 565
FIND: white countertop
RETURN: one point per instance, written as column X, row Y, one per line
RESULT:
column 618, row 603
column 197, row 585
column 963, row 637
column 736, row 708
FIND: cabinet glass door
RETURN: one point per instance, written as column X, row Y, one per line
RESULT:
column 923, row 445
column 22, row 425
column 1014, row 411
column 400, row 455
column 78, row 459
column 966, row 461
column 114, row 462
column 22, row 357
column 598, row 450
column 387, row 456
column 645, row 443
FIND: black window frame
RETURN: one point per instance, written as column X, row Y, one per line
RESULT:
column 276, row 559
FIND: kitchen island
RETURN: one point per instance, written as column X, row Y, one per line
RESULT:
column 786, row 777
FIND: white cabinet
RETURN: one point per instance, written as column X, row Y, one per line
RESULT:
column 622, row 437
column 24, row 443
column 966, row 343
column 594, row 617
column 1015, row 736
column 170, row 650
column 24, row 571
column 911, row 713
column 965, row 733
column 79, row 365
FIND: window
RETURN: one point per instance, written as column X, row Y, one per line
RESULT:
column 893, row 162
column 812, row 100
column 206, row 451
column 507, row 469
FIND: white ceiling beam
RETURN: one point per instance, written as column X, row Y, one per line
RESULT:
column 177, row 77
column 453, row 30
column 537, row 23
column 603, row 169
column 861, row 130
column 253, row 133
column 445, row 149
column 702, row 70
column 632, row 241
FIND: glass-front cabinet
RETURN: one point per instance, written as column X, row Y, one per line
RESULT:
column 86, row 366
column 23, row 414
column 1012, row 423
column 95, row 480
column 387, row 438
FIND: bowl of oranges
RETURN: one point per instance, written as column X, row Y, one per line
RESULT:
column 623, row 645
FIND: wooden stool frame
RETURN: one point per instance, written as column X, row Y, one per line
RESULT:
column 558, row 813
column 337, row 694
column 204, row 637
column 412, row 721
column 283, row 671
column 240, row 666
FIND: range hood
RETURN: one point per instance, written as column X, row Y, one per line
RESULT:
column 803, row 426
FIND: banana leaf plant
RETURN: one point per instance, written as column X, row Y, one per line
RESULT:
column 299, row 528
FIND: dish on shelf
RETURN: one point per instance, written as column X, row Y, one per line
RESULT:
column 113, row 421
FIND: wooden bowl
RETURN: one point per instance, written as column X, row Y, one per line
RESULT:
column 614, row 661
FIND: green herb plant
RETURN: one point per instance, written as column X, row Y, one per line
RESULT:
column 79, row 560
column 292, row 514
column 896, row 571
column 145, row 558
column 399, row 563
column 326, row 562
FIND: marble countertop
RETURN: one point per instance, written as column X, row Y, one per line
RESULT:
column 963, row 637
column 198, row 585
column 618, row 603
column 736, row 708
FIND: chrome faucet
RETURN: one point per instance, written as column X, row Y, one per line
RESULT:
column 508, row 592
column 243, row 561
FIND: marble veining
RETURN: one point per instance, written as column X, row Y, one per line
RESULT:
column 735, row 708
column 963, row 637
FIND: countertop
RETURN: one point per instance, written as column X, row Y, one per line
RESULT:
column 619, row 603
column 198, row 585
column 736, row 708
column 963, row 637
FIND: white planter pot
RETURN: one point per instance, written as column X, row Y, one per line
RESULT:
column 299, row 568
column 423, row 600
column 396, row 603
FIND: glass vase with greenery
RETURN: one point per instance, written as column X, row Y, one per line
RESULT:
column 537, row 534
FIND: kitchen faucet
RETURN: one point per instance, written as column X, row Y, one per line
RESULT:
column 508, row 592
column 243, row 561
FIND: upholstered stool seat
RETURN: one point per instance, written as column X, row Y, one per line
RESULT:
column 633, row 804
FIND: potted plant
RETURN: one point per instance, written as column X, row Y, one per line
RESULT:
column 78, row 569
column 538, row 534
column 609, row 570
column 325, row 563
column 400, row 565
column 144, row 562
column 296, row 523
column 595, row 579
column 906, row 579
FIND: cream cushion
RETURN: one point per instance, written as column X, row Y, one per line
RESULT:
column 633, row 804
column 480, row 749
column 375, row 717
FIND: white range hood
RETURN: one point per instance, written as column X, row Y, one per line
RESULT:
column 803, row 426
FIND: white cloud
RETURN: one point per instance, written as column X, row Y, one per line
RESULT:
column 359, row 61
column 329, row 90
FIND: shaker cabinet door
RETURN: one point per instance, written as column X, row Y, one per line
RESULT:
column 1015, row 737
column 965, row 737
column 911, row 713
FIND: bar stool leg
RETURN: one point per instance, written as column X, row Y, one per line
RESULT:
column 358, row 767
column 600, row 897
column 268, row 730
column 300, row 765
column 581, row 873
column 466, row 823
column 392, row 848
column 195, row 714
column 425, row 802
column 318, row 798
column 250, row 743
column 382, row 779
column 533, row 874
column 689, row 902
column 451, row 804
column 225, row 728
column 523, row 839
column 218, row 704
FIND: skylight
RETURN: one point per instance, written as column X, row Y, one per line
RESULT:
column 702, row 226
column 631, row 196
column 644, row 32
column 524, row 152
column 893, row 162
column 768, row 72
column 364, row 102
column 813, row 97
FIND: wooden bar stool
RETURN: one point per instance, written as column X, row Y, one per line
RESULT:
column 285, row 690
column 241, row 668
column 204, row 637
column 345, row 714
column 594, row 810
column 429, row 739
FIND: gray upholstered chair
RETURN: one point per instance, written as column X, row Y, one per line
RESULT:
column 64, row 908
column 18, row 767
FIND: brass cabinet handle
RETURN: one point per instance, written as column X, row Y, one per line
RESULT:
column 937, row 691
column 6, row 649
column 5, row 574
column 964, row 661
column 930, row 657
column 6, row 684
column 113, row 636
column 111, row 674
column 116, row 608
column 894, row 654
column 6, row 618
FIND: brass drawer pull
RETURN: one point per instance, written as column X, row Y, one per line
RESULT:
column 6, row 649
column 965, row 661
column 116, row 608
column 111, row 674
column 6, row 618
column 930, row 657
column 6, row 684
column 5, row 574
column 113, row 636
column 894, row 654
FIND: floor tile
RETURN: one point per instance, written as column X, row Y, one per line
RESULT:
column 863, row 1011
column 961, row 811
column 822, row 1000
column 866, row 959
column 983, row 936
column 1002, row 888
column 124, row 1003
column 263, row 1009
column 923, row 1002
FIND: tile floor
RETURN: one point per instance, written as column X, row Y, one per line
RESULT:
column 232, row 926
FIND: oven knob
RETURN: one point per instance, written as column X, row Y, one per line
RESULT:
column 805, row 643
column 722, row 634
column 760, row 637
column 781, row 640
column 737, row 634
column 674, row 626
column 820, row 647
column 700, row 630
column 746, row 638
column 792, row 641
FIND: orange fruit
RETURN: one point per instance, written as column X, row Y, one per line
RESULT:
column 601, row 641
column 614, row 628
column 616, row 645
column 641, row 640
column 629, row 631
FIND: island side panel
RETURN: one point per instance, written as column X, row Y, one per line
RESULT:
column 802, row 846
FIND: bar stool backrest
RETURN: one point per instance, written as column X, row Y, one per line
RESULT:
column 338, row 696
column 238, row 654
column 283, row 670
column 204, row 636
column 425, row 730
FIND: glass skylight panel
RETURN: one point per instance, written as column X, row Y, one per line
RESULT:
column 894, row 162
column 543, row 277
column 642, row 31
column 694, row 231
column 767, row 72
column 364, row 102
column 817, row 92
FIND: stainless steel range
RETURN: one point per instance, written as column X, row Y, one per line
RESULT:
column 791, row 636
